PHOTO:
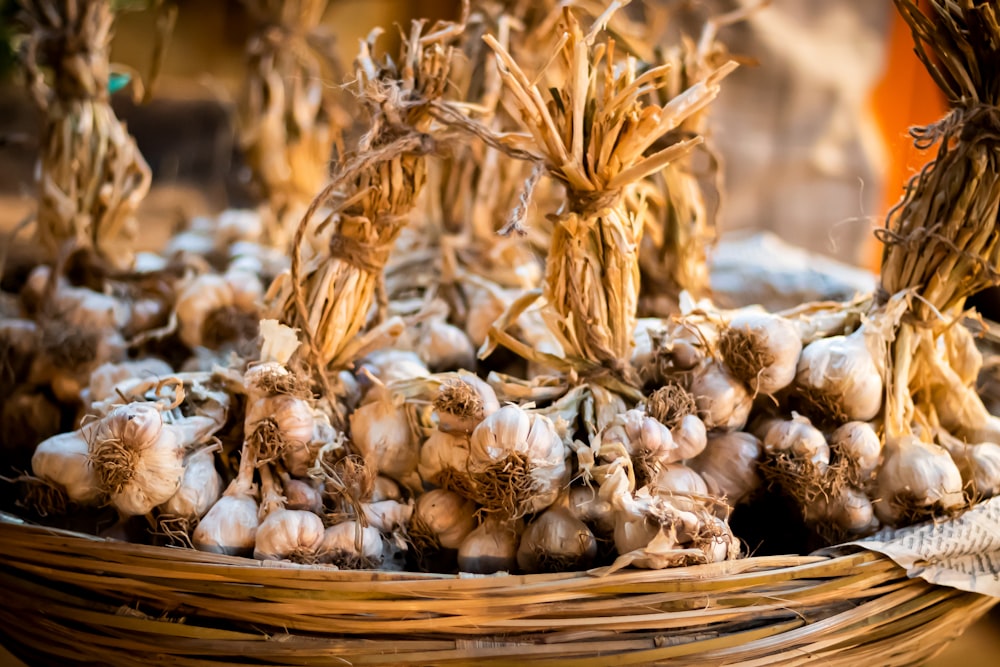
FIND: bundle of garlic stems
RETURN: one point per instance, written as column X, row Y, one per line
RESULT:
column 290, row 118
column 634, row 452
column 92, row 177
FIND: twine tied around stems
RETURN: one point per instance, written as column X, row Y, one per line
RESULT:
column 368, row 257
column 970, row 121
column 591, row 203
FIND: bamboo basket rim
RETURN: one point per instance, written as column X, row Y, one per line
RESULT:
column 71, row 595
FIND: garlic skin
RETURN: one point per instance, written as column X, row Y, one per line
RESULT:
column 587, row 506
column 979, row 465
column 445, row 347
column 859, row 447
column 690, row 437
column 301, row 495
column 64, row 460
column 556, row 541
column 677, row 479
column 381, row 432
column 491, row 547
column 351, row 546
column 514, row 436
column 387, row 515
column 729, row 466
column 200, row 487
column 446, row 516
column 916, row 477
column 723, row 401
column 762, row 350
column 463, row 402
column 230, row 527
column 852, row 511
column 841, row 378
column 443, row 454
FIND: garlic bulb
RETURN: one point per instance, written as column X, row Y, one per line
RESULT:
column 387, row 515
column 463, row 402
column 64, row 460
column 858, row 447
column 641, row 437
column 916, row 479
column 587, row 506
column 442, row 457
column 200, row 487
column 729, row 465
column 381, row 431
column 677, row 479
column 351, row 546
column 385, row 489
column 979, row 465
column 852, row 511
column 392, row 366
column 690, row 437
column 107, row 377
column 230, row 527
column 962, row 354
column 19, row 342
column 517, row 461
column 486, row 307
column 491, row 547
column 840, row 378
column 443, row 518
column 210, row 312
column 723, row 401
column 281, row 426
column 285, row 534
column 556, row 541
column 675, row 407
column 761, row 349
column 139, row 459
column 799, row 439
column 444, row 347
column 301, row 495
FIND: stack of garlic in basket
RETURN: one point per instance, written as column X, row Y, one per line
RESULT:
column 593, row 438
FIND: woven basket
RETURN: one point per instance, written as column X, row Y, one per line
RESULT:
column 72, row 598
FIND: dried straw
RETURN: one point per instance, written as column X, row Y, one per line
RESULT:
column 290, row 113
column 594, row 134
column 92, row 176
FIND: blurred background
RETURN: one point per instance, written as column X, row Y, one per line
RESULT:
column 813, row 129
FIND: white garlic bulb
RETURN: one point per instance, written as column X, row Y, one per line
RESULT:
column 525, row 449
column 198, row 299
column 301, row 495
column 283, row 426
column 392, row 365
column 139, row 459
column 723, row 401
column 690, row 437
column 444, row 347
column 858, row 446
column 200, row 487
column 107, row 377
column 285, row 534
column 641, row 436
column 678, row 479
column 556, row 541
column 761, row 349
column 351, row 546
column 443, row 455
column 916, row 477
column 463, row 402
column 381, row 431
column 840, row 378
column 230, row 527
column 587, row 506
column 979, row 464
column 64, row 460
column 385, row 489
column 852, row 511
column 444, row 516
column 387, row 515
column 799, row 439
column 729, row 465
column 491, row 547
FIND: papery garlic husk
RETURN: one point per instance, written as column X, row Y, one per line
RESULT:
column 917, row 480
column 491, row 547
column 286, row 534
column 853, row 512
column 723, row 401
column 517, row 462
column 107, row 377
column 587, row 506
column 200, row 488
column 350, row 546
column 680, row 480
column 301, row 495
column 761, row 349
column 279, row 424
column 962, row 354
column 381, row 432
column 729, row 466
column 230, row 527
column 556, row 541
column 64, row 460
column 139, row 459
column 717, row 541
column 857, row 450
column 979, row 464
column 445, row 347
column 444, row 460
column 840, row 379
column 387, row 515
column 463, row 402
column 441, row 520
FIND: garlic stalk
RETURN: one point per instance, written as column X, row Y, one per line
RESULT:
column 285, row 534
column 230, row 527
column 556, row 541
